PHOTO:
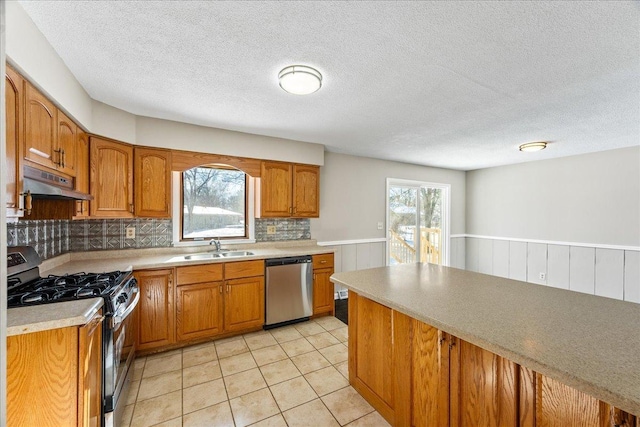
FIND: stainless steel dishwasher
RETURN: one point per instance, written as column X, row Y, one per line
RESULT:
column 289, row 290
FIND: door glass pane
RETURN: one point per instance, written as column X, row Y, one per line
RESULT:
column 431, row 225
column 403, row 216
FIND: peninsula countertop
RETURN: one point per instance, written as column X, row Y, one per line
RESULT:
column 587, row 342
column 43, row 317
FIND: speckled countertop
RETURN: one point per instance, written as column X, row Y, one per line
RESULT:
column 138, row 259
column 587, row 342
column 35, row 318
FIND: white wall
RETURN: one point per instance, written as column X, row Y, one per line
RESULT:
column 352, row 195
column 113, row 123
column 590, row 198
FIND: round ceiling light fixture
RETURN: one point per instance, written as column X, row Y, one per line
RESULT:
column 533, row 146
column 300, row 79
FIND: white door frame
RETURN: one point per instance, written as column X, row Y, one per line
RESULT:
column 446, row 212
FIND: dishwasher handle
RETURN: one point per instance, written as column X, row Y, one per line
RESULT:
column 288, row 261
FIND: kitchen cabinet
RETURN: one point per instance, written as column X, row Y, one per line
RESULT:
column 244, row 295
column 82, row 174
column 41, row 125
column 14, row 108
column 323, row 291
column 111, row 178
column 156, row 308
column 54, row 377
column 415, row 374
column 66, row 138
column 199, row 301
column 152, row 180
column 288, row 190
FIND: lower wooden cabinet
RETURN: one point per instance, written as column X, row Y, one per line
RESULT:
column 155, row 309
column 54, row 377
column 198, row 311
column 244, row 304
column 415, row 374
column 323, row 299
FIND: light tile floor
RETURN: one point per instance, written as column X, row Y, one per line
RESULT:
column 296, row 375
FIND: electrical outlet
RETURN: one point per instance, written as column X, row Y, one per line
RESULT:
column 130, row 233
column 543, row 276
column 271, row 229
column 380, row 225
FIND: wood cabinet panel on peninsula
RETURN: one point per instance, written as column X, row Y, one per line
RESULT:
column 289, row 190
column 54, row 376
column 14, row 108
column 156, row 308
column 111, row 179
column 152, row 179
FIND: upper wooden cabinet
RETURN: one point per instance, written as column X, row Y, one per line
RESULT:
column 111, row 178
column 288, row 190
column 82, row 173
column 152, row 181
column 41, row 127
column 14, row 103
column 67, row 135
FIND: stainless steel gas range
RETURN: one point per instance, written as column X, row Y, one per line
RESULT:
column 121, row 294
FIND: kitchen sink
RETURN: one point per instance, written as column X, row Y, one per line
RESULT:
column 235, row 254
column 210, row 255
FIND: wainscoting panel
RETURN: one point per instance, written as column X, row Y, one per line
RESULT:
column 485, row 256
column 457, row 252
column 518, row 261
column 609, row 273
column 537, row 263
column 501, row 258
column 582, row 269
column 632, row 276
column 357, row 256
column 558, row 268
column 473, row 254
column 363, row 255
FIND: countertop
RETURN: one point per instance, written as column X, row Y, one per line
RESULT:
column 35, row 318
column 587, row 342
column 139, row 259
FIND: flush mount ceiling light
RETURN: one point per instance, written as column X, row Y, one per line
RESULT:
column 533, row 146
column 300, row 79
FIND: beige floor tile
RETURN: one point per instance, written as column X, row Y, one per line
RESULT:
column 336, row 353
column 133, row 392
column 330, row 323
column 269, row 354
column 201, row 373
column 241, row 362
column 309, row 328
column 296, row 347
column 199, row 346
column 312, row 414
column 199, row 356
column 285, row 333
column 203, row 395
column 162, row 354
column 346, row 405
column 230, row 339
column 162, row 365
column 217, row 415
column 326, row 380
column 244, row 382
column 342, row 334
column 343, row 368
column 153, row 411
column 231, row 348
column 373, row 419
column 159, row 385
column 275, row 421
column 258, row 340
column 138, row 367
column 277, row 372
column 309, row 362
column 292, row 393
column 253, row 407
column 322, row 340
column 126, row 415
column 176, row 422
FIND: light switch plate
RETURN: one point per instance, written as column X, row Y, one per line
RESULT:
column 271, row 229
column 380, row 225
column 130, row 233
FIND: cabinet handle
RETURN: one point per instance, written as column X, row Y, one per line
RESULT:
column 220, row 288
column 452, row 342
column 59, row 162
column 295, row 210
column 64, row 158
column 228, row 288
column 171, row 279
column 324, row 261
column 131, row 207
column 290, row 210
column 28, row 205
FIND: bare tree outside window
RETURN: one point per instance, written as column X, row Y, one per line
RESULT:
column 214, row 203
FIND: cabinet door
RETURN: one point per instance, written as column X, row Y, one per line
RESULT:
column 14, row 103
column 306, row 191
column 484, row 387
column 244, row 303
column 323, row 301
column 152, row 182
column 41, row 125
column 155, row 309
column 66, row 145
column 275, row 190
column 198, row 310
column 111, row 179
column 82, row 173
column 90, row 373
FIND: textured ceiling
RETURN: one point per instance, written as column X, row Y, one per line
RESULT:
column 451, row 84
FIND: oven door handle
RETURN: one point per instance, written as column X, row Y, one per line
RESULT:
column 118, row 319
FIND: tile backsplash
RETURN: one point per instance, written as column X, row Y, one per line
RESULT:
column 55, row 237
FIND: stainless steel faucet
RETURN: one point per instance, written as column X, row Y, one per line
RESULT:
column 215, row 242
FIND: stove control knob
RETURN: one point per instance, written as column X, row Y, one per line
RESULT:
column 121, row 299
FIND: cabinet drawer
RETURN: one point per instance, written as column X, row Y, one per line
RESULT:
column 234, row 270
column 199, row 274
column 323, row 261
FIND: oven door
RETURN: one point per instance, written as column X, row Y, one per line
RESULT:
column 119, row 357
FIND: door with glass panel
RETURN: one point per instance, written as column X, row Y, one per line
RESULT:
column 417, row 225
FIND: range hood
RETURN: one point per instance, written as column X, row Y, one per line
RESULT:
column 47, row 185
